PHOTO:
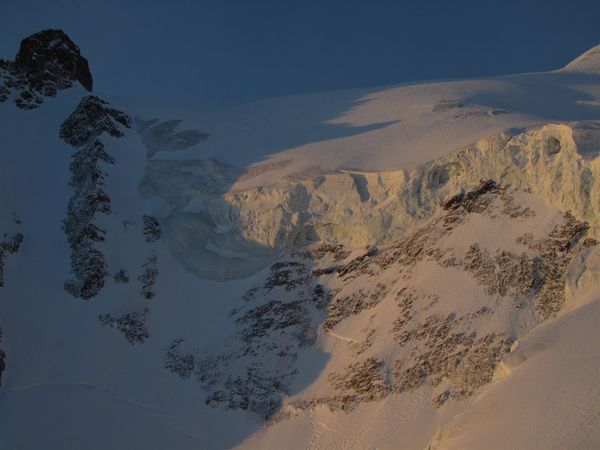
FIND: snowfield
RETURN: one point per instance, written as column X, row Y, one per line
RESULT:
column 415, row 266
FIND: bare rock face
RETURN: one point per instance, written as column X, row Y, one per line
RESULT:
column 47, row 62
column 50, row 53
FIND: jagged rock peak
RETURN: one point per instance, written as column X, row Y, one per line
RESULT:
column 90, row 119
column 50, row 53
column 47, row 61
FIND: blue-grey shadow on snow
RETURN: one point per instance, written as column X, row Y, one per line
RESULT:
column 551, row 96
column 250, row 133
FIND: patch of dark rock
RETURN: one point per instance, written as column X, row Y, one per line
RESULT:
column 321, row 297
column 364, row 345
column 148, row 277
column 9, row 246
column 121, row 276
column 540, row 277
column 152, row 230
column 440, row 399
column 512, row 210
column 91, row 118
column 342, row 307
column 405, row 299
column 252, row 392
column 277, row 315
column 132, row 325
column 362, row 381
column 209, row 370
column 359, row 265
column 338, row 251
column 505, row 273
column 274, row 322
column 556, row 251
column 475, row 200
column 287, row 275
column 325, row 271
column 178, row 362
column 465, row 361
column 552, row 146
column 12, row 243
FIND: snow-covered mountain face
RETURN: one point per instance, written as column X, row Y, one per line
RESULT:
column 411, row 267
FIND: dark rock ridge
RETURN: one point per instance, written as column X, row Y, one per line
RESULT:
column 47, row 62
column 82, row 130
column 91, row 118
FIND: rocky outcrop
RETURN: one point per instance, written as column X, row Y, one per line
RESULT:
column 361, row 381
column 47, row 62
column 342, row 307
column 91, row 118
column 445, row 350
column 9, row 246
column 121, row 276
column 275, row 321
column 82, row 130
column 148, row 277
column 132, row 325
column 179, row 362
column 411, row 334
column 152, row 230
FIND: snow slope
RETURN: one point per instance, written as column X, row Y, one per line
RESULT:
column 543, row 374
column 235, row 302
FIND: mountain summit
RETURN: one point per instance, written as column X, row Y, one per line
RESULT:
column 47, row 61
